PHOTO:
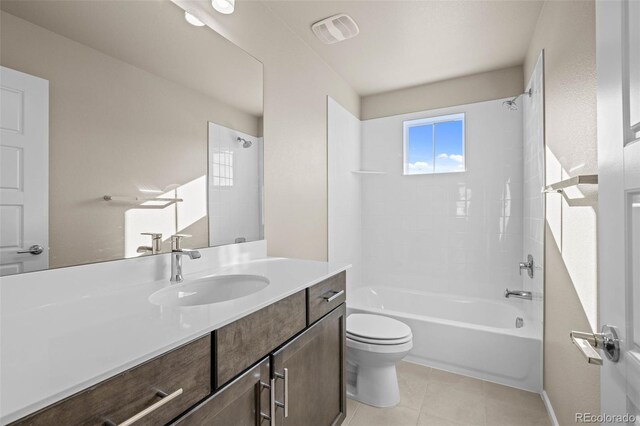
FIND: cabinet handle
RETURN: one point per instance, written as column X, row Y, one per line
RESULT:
column 263, row 385
column 261, row 415
column 272, row 400
column 284, row 404
column 335, row 295
column 165, row 398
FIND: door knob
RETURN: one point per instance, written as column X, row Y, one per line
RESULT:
column 607, row 340
column 34, row 249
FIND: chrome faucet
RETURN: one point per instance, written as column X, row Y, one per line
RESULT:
column 528, row 265
column 520, row 294
column 176, row 257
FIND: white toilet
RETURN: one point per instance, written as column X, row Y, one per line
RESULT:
column 375, row 344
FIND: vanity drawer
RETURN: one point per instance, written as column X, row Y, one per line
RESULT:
column 243, row 342
column 238, row 403
column 325, row 296
column 183, row 374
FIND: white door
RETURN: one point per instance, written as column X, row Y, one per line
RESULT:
column 618, row 59
column 24, row 172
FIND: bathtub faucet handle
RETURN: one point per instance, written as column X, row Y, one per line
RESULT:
column 528, row 265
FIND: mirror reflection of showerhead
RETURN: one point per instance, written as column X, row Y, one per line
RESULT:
column 245, row 143
column 511, row 104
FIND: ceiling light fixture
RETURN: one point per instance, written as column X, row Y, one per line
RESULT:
column 224, row 6
column 193, row 20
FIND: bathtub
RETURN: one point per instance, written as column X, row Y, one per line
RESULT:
column 474, row 337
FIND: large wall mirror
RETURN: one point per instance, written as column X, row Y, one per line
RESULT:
column 121, row 121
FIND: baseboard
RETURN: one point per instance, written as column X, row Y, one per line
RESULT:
column 552, row 414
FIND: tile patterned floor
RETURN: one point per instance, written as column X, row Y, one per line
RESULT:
column 430, row 397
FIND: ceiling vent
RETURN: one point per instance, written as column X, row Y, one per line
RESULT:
column 335, row 28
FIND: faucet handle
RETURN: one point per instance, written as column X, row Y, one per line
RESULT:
column 154, row 235
column 176, row 241
column 156, row 241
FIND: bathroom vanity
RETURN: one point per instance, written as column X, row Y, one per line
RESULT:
column 281, row 364
column 148, row 145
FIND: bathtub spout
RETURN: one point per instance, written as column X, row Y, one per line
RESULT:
column 520, row 294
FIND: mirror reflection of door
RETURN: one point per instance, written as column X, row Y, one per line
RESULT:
column 24, row 172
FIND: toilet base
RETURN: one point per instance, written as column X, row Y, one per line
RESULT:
column 371, row 372
column 376, row 386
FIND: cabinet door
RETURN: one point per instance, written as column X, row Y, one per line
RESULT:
column 243, row 402
column 315, row 374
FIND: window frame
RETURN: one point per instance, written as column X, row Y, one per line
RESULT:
column 408, row 124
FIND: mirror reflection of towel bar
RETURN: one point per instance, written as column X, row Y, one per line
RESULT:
column 558, row 187
column 166, row 202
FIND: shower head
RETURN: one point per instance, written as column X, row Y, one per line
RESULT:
column 245, row 143
column 511, row 104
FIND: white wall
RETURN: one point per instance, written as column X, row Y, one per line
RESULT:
column 345, row 189
column 235, row 186
column 458, row 233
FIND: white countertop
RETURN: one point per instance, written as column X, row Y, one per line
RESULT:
column 55, row 350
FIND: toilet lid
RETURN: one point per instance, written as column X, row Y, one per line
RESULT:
column 376, row 327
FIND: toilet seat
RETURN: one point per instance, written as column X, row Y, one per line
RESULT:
column 380, row 341
column 374, row 330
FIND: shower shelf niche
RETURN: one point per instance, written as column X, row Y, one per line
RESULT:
column 368, row 172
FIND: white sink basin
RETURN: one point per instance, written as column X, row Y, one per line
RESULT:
column 205, row 291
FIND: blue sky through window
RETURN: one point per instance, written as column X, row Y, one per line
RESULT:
column 448, row 154
column 420, row 149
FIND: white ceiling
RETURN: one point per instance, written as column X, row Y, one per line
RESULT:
column 154, row 36
column 407, row 43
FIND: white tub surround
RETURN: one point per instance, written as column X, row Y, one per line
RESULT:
column 67, row 329
column 344, row 132
column 455, row 233
column 470, row 336
column 533, row 198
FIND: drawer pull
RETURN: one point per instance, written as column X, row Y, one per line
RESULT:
column 333, row 295
column 165, row 399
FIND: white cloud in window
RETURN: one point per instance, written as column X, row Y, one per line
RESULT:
column 455, row 157
column 449, row 163
column 420, row 166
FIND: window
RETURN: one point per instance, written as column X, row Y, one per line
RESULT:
column 434, row 145
column 222, row 171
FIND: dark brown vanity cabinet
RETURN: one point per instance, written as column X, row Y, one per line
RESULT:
column 281, row 365
column 309, row 374
column 242, row 343
column 302, row 383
